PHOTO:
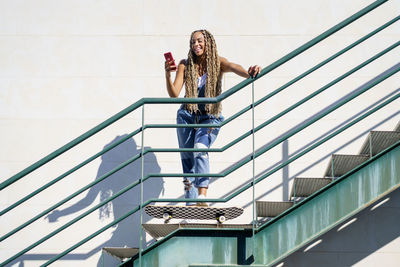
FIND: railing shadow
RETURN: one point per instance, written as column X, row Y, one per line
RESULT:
column 124, row 233
column 285, row 177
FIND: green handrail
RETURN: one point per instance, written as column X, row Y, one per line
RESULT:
column 237, row 166
column 224, row 95
column 237, row 192
column 195, row 100
column 341, row 103
column 388, row 101
column 367, row 87
column 299, row 77
column 77, row 167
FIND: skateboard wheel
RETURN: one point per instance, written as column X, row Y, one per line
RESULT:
column 166, row 216
column 221, row 219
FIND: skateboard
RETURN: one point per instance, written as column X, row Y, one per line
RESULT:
column 193, row 212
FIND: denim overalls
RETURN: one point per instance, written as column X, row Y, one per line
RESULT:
column 196, row 162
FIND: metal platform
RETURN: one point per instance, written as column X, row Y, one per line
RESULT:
column 343, row 163
column 272, row 208
column 378, row 141
column 161, row 230
column 121, row 253
column 304, row 187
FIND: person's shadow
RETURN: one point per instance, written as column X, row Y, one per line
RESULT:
column 126, row 233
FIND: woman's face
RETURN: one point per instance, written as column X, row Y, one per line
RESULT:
column 198, row 44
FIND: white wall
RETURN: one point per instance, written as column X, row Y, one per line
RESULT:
column 66, row 66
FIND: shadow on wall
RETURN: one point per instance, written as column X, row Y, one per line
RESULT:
column 126, row 233
column 356, row 239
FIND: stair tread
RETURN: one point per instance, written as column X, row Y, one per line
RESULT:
column 121, row 252
column 380, row 141
column 304, row 187
column 343, row 164
column 397, row 128
column 272, row 208
column 157, row 230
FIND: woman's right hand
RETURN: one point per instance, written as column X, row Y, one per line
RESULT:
column 169, row 66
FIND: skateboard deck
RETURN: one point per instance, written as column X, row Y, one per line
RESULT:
column 193, row 212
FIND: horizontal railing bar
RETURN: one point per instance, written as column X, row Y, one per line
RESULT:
column 321, row 64
column 167, row 175
column 219, row 124
column 367, row 87
column 314, row 120
column 176, row 200
column 323, row 36
column 71, row 144
column 210, row 150
column 248, row 133
column 70, row 197
column 329, row 137
column 216, row 125
column 213, row 99
column 77, row 167
column 89, row 238
column 224, row 95
column 322, row 89
column 71, row 222
column 301, row 76
column 150, row 150
column 229, row 197
column 285, row 137
column 306, row 46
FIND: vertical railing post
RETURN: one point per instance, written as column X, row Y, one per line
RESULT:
column 141, row 192
column 254, row 167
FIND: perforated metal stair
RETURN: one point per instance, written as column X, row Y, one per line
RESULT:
column 121, row 253
column 376, row 142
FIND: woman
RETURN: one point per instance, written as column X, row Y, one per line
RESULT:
column 201, row 73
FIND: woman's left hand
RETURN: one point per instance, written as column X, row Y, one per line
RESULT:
column 254, row 70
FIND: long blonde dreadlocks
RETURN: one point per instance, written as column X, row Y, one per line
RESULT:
column 214, row 75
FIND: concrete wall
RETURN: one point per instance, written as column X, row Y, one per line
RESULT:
column 66, row 66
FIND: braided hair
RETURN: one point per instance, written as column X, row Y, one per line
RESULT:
column 214, row 75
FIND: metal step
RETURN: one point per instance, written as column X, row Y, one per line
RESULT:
column 157, row 230
column 379, row 141
column 272, row 208
column 304, row 187
column 121, row 253
column 343, row 163
column 397, row 128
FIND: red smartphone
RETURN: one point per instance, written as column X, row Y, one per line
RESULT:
column 168, row 57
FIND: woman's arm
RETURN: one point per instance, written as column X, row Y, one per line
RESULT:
column 174, row 88
column 227, row 66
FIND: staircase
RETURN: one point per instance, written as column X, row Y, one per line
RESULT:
column 317, row 205
column 339, row 165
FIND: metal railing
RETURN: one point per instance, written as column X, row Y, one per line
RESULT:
column 144, row 101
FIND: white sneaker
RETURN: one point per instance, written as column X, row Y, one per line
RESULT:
column 202, row 204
